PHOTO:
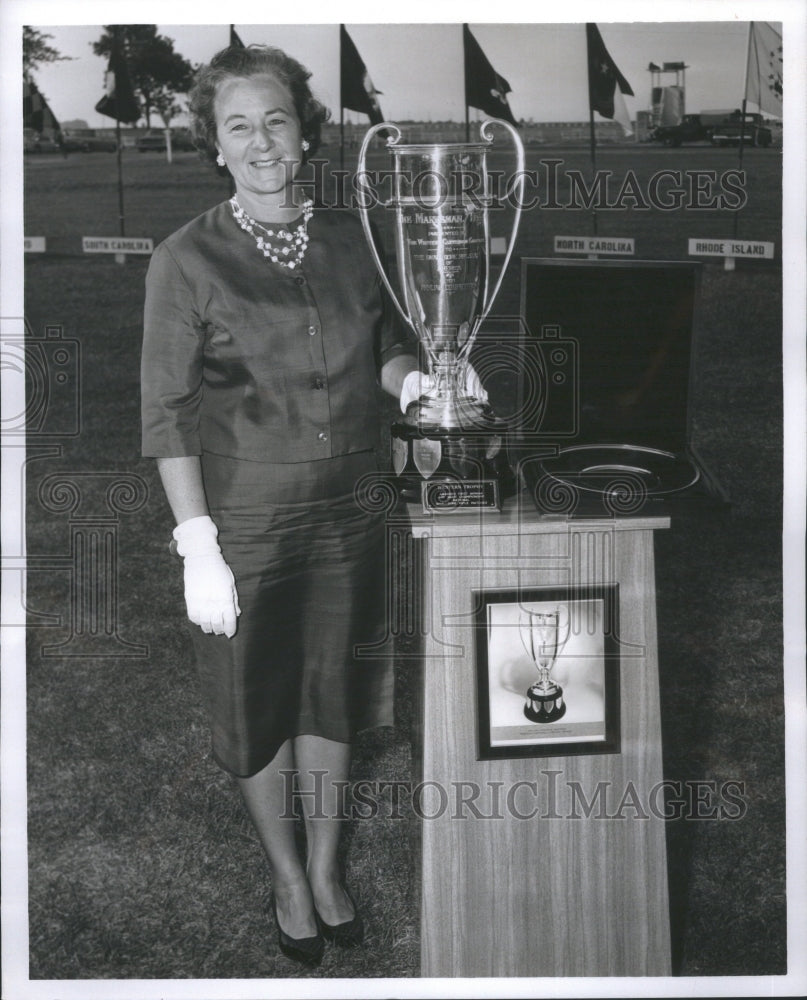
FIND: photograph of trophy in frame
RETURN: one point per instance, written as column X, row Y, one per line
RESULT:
column 547, row 662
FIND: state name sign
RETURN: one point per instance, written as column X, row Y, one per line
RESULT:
column 116, row 244
column 34, row 244
column 730, row 248
column 594, row 244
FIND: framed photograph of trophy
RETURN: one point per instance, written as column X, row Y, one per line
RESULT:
column 547, row 671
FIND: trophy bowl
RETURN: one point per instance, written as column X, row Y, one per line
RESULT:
column 448, row 450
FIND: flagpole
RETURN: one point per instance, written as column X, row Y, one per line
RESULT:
column 593, row 148
column 119, row 145
column 341, row 98
column 120, row 258
column 742, row 118
column 465, row 82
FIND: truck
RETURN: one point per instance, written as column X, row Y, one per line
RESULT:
column 721, row 128
column 752, row 127
column 691, row 128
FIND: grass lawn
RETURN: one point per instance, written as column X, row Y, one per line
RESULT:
column 141, row 862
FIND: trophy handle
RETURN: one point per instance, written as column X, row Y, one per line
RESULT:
column 365, row 218
column 519, row 190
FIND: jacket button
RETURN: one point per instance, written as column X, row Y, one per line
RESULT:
column 322, row 436
column 299, row 280
column 317, row 383
column 312, row 331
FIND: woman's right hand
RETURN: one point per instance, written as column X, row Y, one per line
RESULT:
column 210, row 593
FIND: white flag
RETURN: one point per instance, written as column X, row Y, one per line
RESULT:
column 621, row 113
column 764, row 75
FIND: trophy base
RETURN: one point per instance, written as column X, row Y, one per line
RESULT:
column 448, row 469
column 545, row 706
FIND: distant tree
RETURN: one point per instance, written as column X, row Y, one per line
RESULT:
column 157, row 72
column 167, row 109
column 36, row 51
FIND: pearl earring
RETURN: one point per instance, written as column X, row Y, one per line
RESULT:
column 220, row 160
column 305, row 146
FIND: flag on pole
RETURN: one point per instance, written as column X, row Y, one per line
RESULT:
column 484, row 87
column 763, row 81
column 119, row 101
column 36, row 113
column 606, row 85
column 235, row 41
column 357, row 90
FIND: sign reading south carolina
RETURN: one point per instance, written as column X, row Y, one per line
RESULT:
column 116, row 244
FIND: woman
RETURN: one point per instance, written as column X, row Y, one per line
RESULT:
column 264, row 330
column 266, row 334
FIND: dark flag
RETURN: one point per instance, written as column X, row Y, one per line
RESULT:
column 606, row 85
column 484, row 88
column 36, row 113
column 119, row 102
column 357, row 90
column 235, row 41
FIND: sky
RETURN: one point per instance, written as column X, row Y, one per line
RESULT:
column 418, row 67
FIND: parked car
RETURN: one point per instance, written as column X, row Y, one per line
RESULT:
column 154, row 139
column 36, row 142
column 98, row 144
column 690, row 129
column 719, row 128
column 754, row 131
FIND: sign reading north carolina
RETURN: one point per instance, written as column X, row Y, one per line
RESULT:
column 116, row 244
column 594, row 244
column 34, row 244
column 730, row 248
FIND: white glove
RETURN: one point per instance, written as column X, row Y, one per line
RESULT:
column 416, row 383
column 473, row 384
column 413, row 387
column 210, row 594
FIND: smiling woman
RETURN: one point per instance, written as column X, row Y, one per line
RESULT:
column 266, row 335
column 259, row 141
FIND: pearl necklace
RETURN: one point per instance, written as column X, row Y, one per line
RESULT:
column 290, row 253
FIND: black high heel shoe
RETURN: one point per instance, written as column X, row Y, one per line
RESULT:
column 308, row 950
column 347, row 934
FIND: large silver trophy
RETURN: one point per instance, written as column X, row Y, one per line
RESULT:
column 448, row 450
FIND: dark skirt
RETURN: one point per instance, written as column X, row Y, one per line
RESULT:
column 309, row 567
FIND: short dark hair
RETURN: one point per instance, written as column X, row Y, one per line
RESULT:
column 238, row 62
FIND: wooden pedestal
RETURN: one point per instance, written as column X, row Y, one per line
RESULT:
column 561, row 893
